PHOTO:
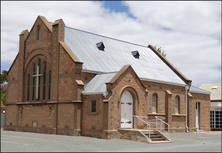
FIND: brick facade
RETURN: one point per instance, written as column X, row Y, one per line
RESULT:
column 68, row 111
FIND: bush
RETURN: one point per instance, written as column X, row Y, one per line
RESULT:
column 3, row 98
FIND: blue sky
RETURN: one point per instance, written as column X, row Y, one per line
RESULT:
column 116, row 6
column 189, row 32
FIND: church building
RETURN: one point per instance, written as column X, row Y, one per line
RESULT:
column 72, row 82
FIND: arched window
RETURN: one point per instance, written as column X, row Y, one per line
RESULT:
column 28, row 86
column 33, row 81
column 49, row 85
column 177, row 105
column 44, row 81
column 38, row 80
column 154, row 103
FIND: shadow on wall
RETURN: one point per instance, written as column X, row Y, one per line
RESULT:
column 2, row 120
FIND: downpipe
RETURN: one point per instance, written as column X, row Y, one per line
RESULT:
column 186, row 87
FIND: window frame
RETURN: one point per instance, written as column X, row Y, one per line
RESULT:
column 91, row 106
column 156, row 103
column 32, row 70
column 28, row 88
column 177, row 97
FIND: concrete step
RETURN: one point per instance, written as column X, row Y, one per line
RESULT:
column 154, row 135
column 158, row 139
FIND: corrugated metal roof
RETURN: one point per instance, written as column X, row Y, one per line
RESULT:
column 116, row 54
column 198, row 90
column 215, row 92
column 97, row 85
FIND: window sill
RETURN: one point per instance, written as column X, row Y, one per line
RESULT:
column 178, row 114
column 93, row 113
column 155, row 114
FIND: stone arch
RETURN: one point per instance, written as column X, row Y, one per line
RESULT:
column 135, row 97
column 30, row 93
column 36, row 52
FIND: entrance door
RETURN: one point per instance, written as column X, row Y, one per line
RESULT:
column 126, row 110
column 197, row 115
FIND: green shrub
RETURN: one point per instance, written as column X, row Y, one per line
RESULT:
column 3, row 98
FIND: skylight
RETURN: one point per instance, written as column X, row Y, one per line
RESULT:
column 214, row 87
column 100, row 46
column 135, row 54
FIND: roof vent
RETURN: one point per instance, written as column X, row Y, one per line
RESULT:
column 135, row 54
column 214, row 87
column 100, row 46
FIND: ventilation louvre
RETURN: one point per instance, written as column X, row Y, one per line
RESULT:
column 100, row 46
column 135, row 54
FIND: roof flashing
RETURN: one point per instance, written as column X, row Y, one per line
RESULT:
column 100, row 46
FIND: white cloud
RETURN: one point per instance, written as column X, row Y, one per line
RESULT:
column 192, row 42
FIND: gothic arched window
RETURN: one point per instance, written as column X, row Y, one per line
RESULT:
column 154, row 103
column 28, row 87
column 44, row 81
column 177, row 105
column 33, row 81
column 38, row 79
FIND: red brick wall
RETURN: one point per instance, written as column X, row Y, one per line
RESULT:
column 41, row 115
column 67, row 84
column 127, row 81
column 92, row 123
column 12, row 89
column 204, row 111
column 45, row 40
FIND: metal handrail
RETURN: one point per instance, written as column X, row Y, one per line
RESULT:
column 139, row 117
column 158, row 118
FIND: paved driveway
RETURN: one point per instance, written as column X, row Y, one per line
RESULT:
column 35, row 142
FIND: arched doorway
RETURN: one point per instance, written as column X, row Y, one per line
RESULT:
column 126, row 110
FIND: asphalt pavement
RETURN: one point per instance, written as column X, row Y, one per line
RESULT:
column 13, row 141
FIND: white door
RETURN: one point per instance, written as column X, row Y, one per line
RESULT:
column 126, row 110
column 197, row 116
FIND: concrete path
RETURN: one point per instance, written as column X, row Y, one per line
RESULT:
column 12, row 141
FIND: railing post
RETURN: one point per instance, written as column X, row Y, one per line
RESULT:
column 156, row 123
column 161, row 127
column 149, row 131
column 134, row 122
column 169, row 131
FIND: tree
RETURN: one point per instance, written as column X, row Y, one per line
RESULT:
column 159, row 50
column 3, row 86
column 4, row 76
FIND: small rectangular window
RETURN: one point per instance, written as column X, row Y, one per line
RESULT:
column 38, row 32
column 93, row 106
